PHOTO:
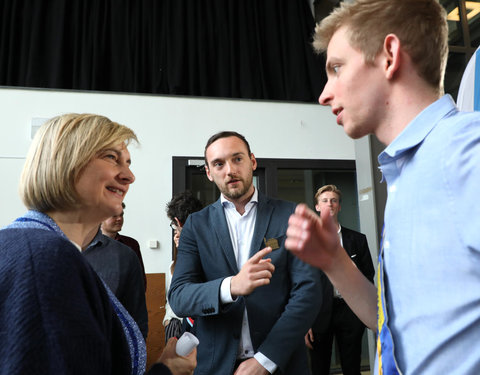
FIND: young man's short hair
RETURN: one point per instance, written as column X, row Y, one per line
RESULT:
column 326, row 188
column 421, row 26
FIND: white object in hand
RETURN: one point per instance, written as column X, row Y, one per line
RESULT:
column 186, row 343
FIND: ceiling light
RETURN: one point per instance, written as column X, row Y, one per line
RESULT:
column 472, row 7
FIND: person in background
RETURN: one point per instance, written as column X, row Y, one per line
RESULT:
column 119, row 267
column 57, row 316
column 336, row 319
column 252, row 300
column 111, row 228
column 178, row 209
column 385, row 66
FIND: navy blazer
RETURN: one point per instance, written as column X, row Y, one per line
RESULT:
column 356, row 246
column 279, row 314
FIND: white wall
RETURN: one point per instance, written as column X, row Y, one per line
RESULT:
column 166, row 126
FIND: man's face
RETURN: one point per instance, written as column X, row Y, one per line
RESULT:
column 113, row 224
column 328, row 201
column 231, row 168
column 354, row 90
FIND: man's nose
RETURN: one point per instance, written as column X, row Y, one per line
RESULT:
column 326, row 96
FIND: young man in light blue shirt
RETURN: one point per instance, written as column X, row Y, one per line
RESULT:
column 385, row 67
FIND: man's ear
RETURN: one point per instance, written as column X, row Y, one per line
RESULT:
column 254, row 161
column 179, row 224
column 392, row 55
column 317, row 208
column 207, row 171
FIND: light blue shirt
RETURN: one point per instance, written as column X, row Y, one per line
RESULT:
column 432, row 241
column 241, row 228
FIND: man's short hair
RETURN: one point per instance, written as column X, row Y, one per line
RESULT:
column 182, row 205
column 224, row 134
column 421, row 26
column 61, row 148
column 326, row 188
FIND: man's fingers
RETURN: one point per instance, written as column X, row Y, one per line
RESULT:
column 258, row 256
column 264, row 264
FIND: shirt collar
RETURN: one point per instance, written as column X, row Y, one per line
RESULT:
column 98, row 239
column 225, row 202
column 418, row 129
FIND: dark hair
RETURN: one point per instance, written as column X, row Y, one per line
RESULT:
column 225, row 134
column 182, row 205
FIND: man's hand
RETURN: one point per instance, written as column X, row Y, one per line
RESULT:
column 178, row 365
column 315, row 240
column 309, row 339
column 312, row 238
column 254, row 273
column 251, row 367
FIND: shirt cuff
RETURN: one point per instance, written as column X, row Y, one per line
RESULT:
column 265, row 362
column 225, row 295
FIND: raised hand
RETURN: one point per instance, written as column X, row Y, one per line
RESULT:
column 254, row 273
column 312, row 238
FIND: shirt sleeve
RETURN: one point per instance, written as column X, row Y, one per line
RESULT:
column 265, row 362
column 225, row 295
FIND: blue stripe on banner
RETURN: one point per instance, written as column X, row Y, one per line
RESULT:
column 476, row 89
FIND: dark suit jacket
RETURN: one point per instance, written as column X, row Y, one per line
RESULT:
column 279, row 313
column 356, row 245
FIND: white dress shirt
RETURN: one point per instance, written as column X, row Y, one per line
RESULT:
column 241, row 228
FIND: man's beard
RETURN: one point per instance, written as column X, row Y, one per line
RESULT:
column 237, row 193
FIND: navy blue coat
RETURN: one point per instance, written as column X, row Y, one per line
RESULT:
column 279, row 314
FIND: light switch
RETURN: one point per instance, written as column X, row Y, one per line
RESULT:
column 153, row 244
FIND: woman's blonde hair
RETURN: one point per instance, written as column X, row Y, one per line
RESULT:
column 61, row 148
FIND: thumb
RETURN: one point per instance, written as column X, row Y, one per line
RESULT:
column 171, row 343
column 327, row 221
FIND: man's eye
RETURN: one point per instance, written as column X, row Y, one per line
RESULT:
column 336, row 68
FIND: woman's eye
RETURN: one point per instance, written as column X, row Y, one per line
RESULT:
column 111, row 156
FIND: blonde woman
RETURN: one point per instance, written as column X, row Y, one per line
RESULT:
column 56, row 314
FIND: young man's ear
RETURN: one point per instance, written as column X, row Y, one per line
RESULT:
column 392, row 55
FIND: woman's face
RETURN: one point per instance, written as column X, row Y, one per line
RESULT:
column 103, row 183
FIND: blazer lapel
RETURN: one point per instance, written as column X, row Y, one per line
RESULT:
column 347, row 241
column 220, row 227
column 264, row 212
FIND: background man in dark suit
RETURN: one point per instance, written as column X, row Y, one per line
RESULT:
column 111, row 228
column 251, row 312
column 335, row 318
